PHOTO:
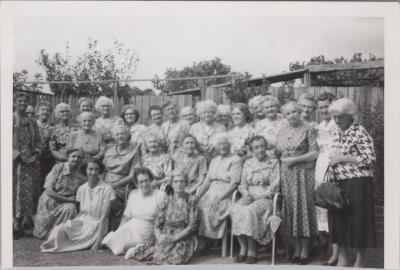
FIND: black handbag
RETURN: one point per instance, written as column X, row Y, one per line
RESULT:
column 330, row 195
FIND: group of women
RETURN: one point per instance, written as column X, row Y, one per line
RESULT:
column 160, row 193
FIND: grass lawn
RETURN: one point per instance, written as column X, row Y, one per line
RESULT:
column 26, row 253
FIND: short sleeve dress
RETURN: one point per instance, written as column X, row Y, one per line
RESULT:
column 221, row 173
column 142, row 212
column 51, row 212
column 194, row 166
column 82, row 231
column 258, row 178
column 298, row 181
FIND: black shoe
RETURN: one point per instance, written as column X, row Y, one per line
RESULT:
column 251, row 260
column 303, row 261
column 295, row 259
column 327, row 263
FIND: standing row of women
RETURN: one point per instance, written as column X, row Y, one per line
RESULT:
column 108, row 172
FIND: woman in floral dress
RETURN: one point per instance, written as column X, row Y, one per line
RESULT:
column 257, row 111
column 88, row 228
column 207, row 128
column 56, row 205
column 89, row 140
column 250, row 215
column 105, row 123
column 175, row 227
column 27, row 148
column 241, row 131
column 159, row 163
column 215, row 194
column 297, row 143
column 273, row 122
column 190, row 163
column 62, row 132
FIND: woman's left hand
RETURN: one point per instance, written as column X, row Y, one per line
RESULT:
column 289, row 161
column 335, row 158
column 215, row 203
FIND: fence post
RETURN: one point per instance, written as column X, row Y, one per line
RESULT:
column 203, row 89
column 116, row 103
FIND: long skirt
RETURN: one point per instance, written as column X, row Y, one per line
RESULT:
column 130, row 234
column 299, row 217
column 252, row 220
column 213, row 222
column 355, row 227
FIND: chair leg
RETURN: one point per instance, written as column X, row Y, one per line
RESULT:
column 231, row 245
column 273, row 250
column 225, row 244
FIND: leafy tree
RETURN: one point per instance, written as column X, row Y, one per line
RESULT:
column 20, row 79
column 200, row 69
column 320, row 60
column 114, row 62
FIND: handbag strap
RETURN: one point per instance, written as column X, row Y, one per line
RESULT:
column 330, row 175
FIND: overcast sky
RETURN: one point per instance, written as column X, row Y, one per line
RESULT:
column 258, row 45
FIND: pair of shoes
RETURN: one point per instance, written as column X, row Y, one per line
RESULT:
column 240, row 258
column 251, row 260
column 303, row 261
column 327, row 263
column 18, row 234
column 295, row 259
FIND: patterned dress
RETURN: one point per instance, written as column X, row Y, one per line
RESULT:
column 193, row 166
column 298, row 181
column 26, row 177
column 173, row 132
column 92, row 143
column 82, row 231
column 51, row 212
column 326, row 132
column 205, row 135
column 160, row 165
column 141, row 212
column 63, row 134
column 269, row 129
column 258, row 178
column 238, row 137
column 104, row 126
column 221, row 173
column 174, row 217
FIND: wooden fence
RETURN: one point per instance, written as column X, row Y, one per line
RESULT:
column 363, row 96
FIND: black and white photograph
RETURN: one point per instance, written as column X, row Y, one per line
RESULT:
column 198, row 133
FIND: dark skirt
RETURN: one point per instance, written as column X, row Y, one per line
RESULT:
column 355, row 227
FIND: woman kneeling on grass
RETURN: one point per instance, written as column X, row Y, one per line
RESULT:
column 89, row 227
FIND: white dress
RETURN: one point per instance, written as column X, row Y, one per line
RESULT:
column 82, row 231
column 326, row 132
column 139, row 229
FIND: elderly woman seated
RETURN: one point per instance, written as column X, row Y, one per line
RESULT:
column 87, row 229
column 215, row 194
column 57, row 203
column 159, row 163
column 137, row 224
column 174, row 228
column 191, row 163
column 89, row 140
column 120, row 161
column 250, row 215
